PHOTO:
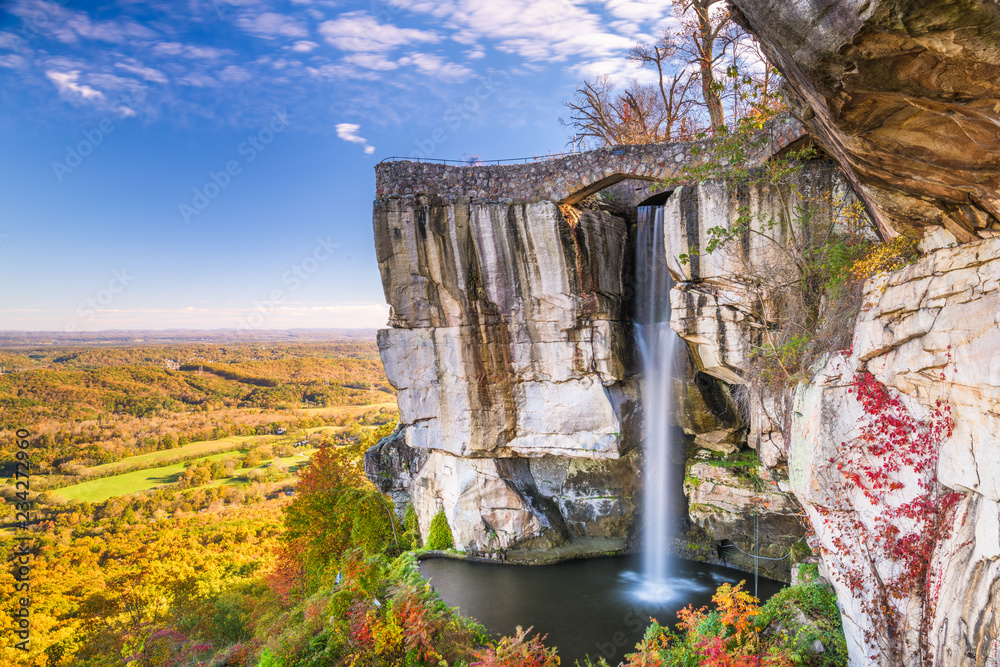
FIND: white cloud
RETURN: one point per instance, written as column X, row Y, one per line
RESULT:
column 619, row 69
column 66, row 84
column 638, row 11
column 147, row 73
column 359, row 31
column 197, row 80
column 557, row 30
column 437, row 67
column 193, row 51
column 349, row 132
column 270, row 25
column 374, row 61
column 234, row 74
column 9, row 40
column 304, row 46
column 13, row 61
column 70, row 26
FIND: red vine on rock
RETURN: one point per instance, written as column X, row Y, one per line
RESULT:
column 911, row 519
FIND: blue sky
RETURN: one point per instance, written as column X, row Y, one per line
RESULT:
column 209, row 164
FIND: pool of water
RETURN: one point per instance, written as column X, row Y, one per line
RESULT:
column 596, row 607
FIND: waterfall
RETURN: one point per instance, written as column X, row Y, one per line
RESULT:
column 657, row 345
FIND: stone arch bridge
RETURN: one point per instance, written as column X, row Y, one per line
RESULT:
column 566, row 180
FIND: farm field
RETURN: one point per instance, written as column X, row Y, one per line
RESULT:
column 98, row 490
column 185, row 452
column 131, row 481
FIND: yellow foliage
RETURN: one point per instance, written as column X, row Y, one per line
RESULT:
column 885, row 257
column 737, row 608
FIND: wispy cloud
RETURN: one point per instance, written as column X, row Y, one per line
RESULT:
column 66, row 84
column 70, row 26
column 226, row 65
column 437, row 67
column 270, row 25
column 194, row 51
column 147, row 73
column 349, row 132
column 360, row 31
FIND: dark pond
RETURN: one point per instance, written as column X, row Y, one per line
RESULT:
column 596, row 606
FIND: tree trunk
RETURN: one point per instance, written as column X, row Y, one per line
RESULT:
column 707, row 50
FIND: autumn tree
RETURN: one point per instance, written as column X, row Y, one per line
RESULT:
column 336, row 509
column 709, row 74
column 674, row 86
column 633, row 116
column 707, row 32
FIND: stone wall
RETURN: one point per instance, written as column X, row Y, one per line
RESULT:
column 567, row 179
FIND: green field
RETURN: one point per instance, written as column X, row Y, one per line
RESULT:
column 197, row 450
column 189, row 451
column 153, row 476
column 97, row 490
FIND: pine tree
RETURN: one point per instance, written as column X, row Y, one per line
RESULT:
column 439, row 536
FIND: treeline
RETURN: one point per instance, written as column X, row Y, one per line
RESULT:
column 94, row 462
column 107, row 577
column 92, row 406
column 27, row 358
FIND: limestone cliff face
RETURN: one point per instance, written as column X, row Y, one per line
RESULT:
column 904, row 94
column 511, row 354
column 931, row 334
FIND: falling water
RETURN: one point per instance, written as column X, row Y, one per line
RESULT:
column 657, row 348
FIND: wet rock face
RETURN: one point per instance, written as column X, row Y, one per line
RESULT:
column 746, row 511
column 511, row 354
column 904, row 94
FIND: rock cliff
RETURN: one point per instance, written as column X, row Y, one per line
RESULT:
column 930, row 335
column 904, row 95
column 511, row 347
column 512, row 358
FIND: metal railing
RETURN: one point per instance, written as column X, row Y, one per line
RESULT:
column 476, row 162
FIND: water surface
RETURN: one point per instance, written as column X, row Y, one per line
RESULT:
column 597, row 606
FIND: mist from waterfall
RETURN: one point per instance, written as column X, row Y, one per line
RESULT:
column 657, row 345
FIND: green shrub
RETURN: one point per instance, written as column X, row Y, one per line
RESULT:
column 439, row 535
column 268, row 659
column 411, row 529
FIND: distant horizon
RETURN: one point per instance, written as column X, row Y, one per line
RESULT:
column 180, row 329
column 116, row 337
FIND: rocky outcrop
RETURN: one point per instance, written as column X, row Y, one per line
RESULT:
column 512, row 356
column 715, row 305
column 905, row 95
column 931, row 334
